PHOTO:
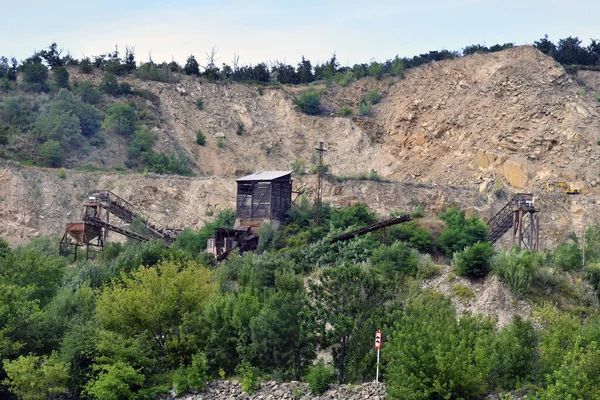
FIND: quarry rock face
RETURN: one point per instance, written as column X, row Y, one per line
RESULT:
column 456, row 132
column 517, row 172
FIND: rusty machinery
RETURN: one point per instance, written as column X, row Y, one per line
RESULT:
column 95, row 224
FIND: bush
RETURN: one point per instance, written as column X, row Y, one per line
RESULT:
column 593, row 276
column 139, row 143
column 87, row 92
column 110, row 85
column 200, row 138
column 474, row 261
column 345, row 78
column 374, row 96
column 36, row 378
column 167, row 163
column 115, row 382
column 568, row 256
column 461, row 232
column 426, row 269
column 249, row 375
column 194, row 376
column 86, row 66
column 240, row 128
column 365, row 108
column 345, row 111
column 120, row 119
column 200, row 104
column 395, row 261
column 158, row 73
column 309, row 102
column 320, row 377
column 51, row 153
column 299, row 166
column 515, row 269
column 220, row 142
column 375, row 70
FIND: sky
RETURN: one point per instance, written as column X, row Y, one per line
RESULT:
column 284, row 31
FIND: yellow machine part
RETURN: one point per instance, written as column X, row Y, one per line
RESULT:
column 562, row 187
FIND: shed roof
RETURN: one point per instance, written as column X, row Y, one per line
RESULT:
column 264, row 176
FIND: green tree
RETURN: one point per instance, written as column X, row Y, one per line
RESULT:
column 283, row 332
column 87, row 92
column 90, row 118
column 577, row 377
column 51, row 153
column 191, row 66
column 61, row 126
column 36, row 378
column 345, row 298
column 120, row 119
column 397, row 68
column 516, row 350
column 156, row 301
column 36, row 74
column 432, row 355
column 140, row 142
column 460, row 231
column 61, row 77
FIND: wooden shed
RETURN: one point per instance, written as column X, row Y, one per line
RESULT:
column 263, row 196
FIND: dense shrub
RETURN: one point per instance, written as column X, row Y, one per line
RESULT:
column 365, row 108
column 120, row 119
column 167, row 163
column 115, row 382
column 309, row 102
column 36, row 378
column 200, row 138
column 87, row 92
column 433, row 355
column 515, row 269
column 474, row 261
column 375, row 70
column 86, row 66
column 140, row 142
column 109, row 85
column 568, row 256
column 200, row 104
column 320, row 377
column 415, row 235
column 240, row 128
column 515, row 351
column 152, row 72
column 61, row 77
column 51, row 153
column 395, row 261
column 460, row 231
column 345, row 111
column 36, row 74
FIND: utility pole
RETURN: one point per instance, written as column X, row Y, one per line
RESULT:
column 320, row 173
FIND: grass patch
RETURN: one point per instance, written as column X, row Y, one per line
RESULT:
column 463, row 292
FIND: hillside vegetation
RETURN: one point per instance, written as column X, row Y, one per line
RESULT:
column 444, row 135
column 141, row 319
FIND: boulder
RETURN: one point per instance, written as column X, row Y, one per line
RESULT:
column 517, row 172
